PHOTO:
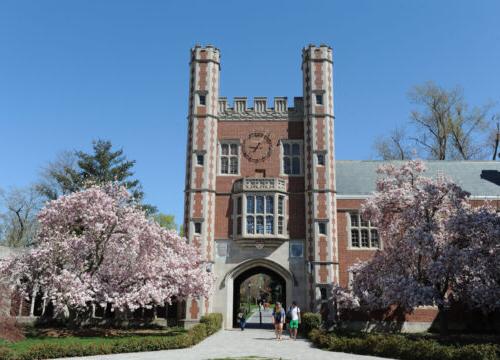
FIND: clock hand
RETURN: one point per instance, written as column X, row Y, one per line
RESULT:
column 256, row 147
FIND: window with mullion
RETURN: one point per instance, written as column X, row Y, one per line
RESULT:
column 363, row 234
column 229, row 158
column 259, row 214
column 292, row 157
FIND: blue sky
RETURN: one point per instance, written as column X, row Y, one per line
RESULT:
column 73, row 71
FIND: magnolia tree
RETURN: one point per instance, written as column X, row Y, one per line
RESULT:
column 97, row 248
column 430, row 236
column 477, row 232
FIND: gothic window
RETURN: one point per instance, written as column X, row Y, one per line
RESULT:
column 229, row 158
column 292, row 157
column 362, row 234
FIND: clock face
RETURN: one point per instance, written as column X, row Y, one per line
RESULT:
column 257, row 147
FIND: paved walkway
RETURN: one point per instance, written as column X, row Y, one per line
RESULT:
column 254, row 320
column 237, row 343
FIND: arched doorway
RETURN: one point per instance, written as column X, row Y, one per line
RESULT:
column 228, row 283
column 246, row 296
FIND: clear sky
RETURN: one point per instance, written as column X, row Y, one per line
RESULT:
column 73, row 71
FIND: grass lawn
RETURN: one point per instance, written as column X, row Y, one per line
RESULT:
column 108, row 340
column 96, row 340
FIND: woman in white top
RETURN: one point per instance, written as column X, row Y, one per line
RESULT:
column 294, row 320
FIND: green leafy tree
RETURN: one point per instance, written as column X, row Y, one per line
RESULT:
column 166, row 221
column 80, row 170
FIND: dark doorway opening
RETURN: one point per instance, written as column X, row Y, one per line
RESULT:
column 258, row 285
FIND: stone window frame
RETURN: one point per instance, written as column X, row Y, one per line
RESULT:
column 200, row 95
column 362, row 226
column 195, row 225
column 196, row 154
column 242, row 217
column 229, row 156
column 321, row 94
column 320, row 222
column 317, row 155
column 282, row 156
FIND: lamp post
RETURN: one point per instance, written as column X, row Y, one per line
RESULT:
column 260, row 306
column 248, row 297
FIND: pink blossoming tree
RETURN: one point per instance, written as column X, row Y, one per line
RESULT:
column 95, row 247
column 430, row 244
column 477, row 232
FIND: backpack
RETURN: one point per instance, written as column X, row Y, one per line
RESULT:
column 289, row 315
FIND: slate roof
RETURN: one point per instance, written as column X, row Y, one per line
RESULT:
column 480, row 178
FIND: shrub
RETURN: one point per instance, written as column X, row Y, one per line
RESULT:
column 213, row 322
column 208, row 325
column 6, row 354
column 400, row 347
column 310, row 321
column 477, row 352
column 198, row 333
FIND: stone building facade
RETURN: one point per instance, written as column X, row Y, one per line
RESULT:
column 264, row 192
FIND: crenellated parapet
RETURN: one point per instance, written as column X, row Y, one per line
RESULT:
column 260, row 110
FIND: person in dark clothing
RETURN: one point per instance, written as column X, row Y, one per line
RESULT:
column 241, row 319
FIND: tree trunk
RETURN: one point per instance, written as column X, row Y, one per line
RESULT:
column 443, row 320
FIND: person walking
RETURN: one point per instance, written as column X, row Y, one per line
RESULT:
column 278, row 320
column 241, row 319
column 294, row 320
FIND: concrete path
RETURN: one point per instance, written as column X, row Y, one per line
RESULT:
column 254, row 320
column 237, row 343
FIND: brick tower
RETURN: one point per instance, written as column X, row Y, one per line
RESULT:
column 259, row 196
column 321, row 229
column 201, row 161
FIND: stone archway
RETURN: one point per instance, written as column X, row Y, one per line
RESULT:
column 238, row 281
column 233, row 279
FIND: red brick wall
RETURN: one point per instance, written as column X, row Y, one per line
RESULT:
column 347, row 257
column 277, row 130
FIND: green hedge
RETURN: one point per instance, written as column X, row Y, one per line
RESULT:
column 400, row 347
column 208, row 325
column 309, row 321
column 213, row 322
